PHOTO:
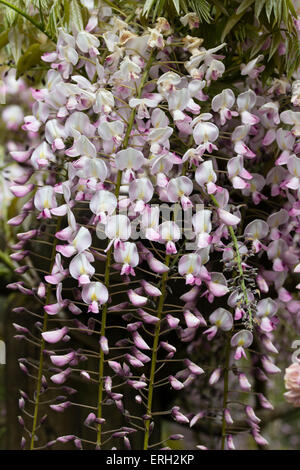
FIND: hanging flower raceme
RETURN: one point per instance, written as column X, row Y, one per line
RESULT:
column 120, row 138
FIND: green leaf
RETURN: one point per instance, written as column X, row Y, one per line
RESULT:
column 158, row 9
column 276, row 40
column 202, row 9
column 269, row 8
column 109, row 3
column 54, row 18
column 3, row 38
column 10, row 16
column 184, row 6
column 277, row 6
column 244, row 6
column 15, row 41
column 147, row 7
column 232, row 21
column 259, row 4
column 77, row 16
column 290, row 6
column 285, row 13
column 258, row 45
column 31, row 58
column 176, row 5
column 292, row 58
column 221, row 7
column 66, row 18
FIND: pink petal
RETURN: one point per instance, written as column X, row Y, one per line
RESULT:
column 55, row 336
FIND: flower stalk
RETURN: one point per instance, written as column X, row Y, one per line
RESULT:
column 44, row 329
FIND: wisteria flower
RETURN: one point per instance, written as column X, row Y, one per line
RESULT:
column 241, row 340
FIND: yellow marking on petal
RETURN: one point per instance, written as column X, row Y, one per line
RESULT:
column 94, row 297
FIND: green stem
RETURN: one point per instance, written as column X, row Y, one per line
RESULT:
column 154, row 352
column 239, row 265
column 41, row 360
column 4, row 257
column 28, row 18
column 109, row 255
column 225, row 393
column 103, row 325
column 160, row 306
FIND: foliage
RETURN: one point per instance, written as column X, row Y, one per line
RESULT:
column 130, row 110
column 263, row 23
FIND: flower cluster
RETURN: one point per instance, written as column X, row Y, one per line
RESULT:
column 17, row 97
column 130, row 124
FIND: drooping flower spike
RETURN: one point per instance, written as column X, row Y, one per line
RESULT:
column 113, row 140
